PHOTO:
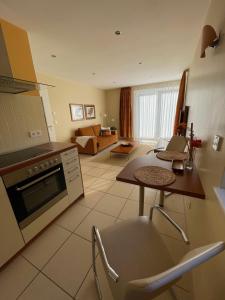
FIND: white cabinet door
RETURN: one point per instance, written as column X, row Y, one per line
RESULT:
column 10, row 235
column 72, row 172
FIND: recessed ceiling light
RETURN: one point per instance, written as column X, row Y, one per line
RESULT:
column 53, row 56
column 117, row 32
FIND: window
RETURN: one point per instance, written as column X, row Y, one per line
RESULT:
column 154, row 112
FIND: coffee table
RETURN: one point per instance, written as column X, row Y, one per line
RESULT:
column 125, row 150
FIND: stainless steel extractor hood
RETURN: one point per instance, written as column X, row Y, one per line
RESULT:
column 12, row 85
column 13, row 42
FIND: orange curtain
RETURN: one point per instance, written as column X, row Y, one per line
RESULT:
column 180, row 101
column 125, row 113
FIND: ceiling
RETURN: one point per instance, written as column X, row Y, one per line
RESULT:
column 162, row 35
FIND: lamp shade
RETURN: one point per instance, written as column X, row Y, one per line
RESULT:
column 209, row 38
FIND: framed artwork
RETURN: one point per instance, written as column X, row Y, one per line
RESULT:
column 89, row 111
column 77, row 112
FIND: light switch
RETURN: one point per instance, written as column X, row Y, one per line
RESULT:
column 217, row 141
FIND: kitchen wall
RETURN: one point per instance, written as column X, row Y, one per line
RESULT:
column 113, row 100
column 206, row 97
column 66, row 92
column 18, row 115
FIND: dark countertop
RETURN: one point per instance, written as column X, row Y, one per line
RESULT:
column 51, row 149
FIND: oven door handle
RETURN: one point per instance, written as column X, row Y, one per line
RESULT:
column 19, row 189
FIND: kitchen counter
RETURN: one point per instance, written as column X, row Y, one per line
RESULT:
column 46, row 150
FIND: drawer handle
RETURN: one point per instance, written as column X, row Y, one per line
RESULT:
column 75, row 177
column 71, row 171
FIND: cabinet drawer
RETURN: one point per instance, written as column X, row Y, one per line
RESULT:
column 72, row 177
column 74, row 188
column 69, row 154
column 73, row 173
column 71, row 163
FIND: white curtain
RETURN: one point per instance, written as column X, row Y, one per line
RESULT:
column 154, row 112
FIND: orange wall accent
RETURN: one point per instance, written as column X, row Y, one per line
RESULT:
column 19, row 52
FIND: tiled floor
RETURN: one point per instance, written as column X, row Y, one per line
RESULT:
column 57, row 264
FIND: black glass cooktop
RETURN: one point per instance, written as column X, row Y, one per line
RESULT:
column 22, row 155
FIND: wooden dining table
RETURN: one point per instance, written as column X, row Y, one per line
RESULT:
column 188, row 183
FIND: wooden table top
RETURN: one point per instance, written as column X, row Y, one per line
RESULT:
column 125, row 150
column 188, row 184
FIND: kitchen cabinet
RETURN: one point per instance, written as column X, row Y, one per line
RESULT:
column 10, row 235
column 72, row 172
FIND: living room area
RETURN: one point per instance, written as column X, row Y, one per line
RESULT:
column 129, row 95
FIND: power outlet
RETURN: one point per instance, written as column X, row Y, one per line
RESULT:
column 38, row 132
column 35, row 133
column 32, row 134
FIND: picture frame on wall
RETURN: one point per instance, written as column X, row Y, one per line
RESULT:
column 89, row 111
column 77, row 112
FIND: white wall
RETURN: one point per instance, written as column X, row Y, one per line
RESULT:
column 66, row 92
column 206, row 97
column 18, row 115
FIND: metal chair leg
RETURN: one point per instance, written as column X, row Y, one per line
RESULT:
column 172, row 293
column 94, row 265
column 161, row 199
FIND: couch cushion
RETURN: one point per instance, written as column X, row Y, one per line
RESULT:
column 105, row 141
column 97, row 129
column 87, row 131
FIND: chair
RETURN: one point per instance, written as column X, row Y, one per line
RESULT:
column 177, row 143
column 137, row 263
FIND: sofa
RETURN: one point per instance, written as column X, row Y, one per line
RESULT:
column 97, row 142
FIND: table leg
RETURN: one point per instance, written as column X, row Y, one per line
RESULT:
column 141, row 200
column 161, row 199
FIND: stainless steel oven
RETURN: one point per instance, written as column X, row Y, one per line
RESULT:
column 33, row 189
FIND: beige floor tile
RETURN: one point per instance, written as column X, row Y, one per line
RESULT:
column 73, row 216
column 70, row 264
column 94, row 218
column 84, row 169
column 103, row 165
column 174, row 202
column 88, row 180
column 121, row 189
column 92, row 164
column 110, row 205
column 165, row 227
column 101, row 185
column 15, row 277
column 40, row 250
column 43, row 289
column 96, row 172
column 177, row 249
column 150, row 195
column 91, row 198
column 181, row 294
column 112, row 173
column 88, row 290
column 165, row 296
column 131, row 210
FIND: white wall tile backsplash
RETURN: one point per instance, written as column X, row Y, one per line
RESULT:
column 20, row 114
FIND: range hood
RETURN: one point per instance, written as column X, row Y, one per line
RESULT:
column 12, row 85
column 17, row 74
